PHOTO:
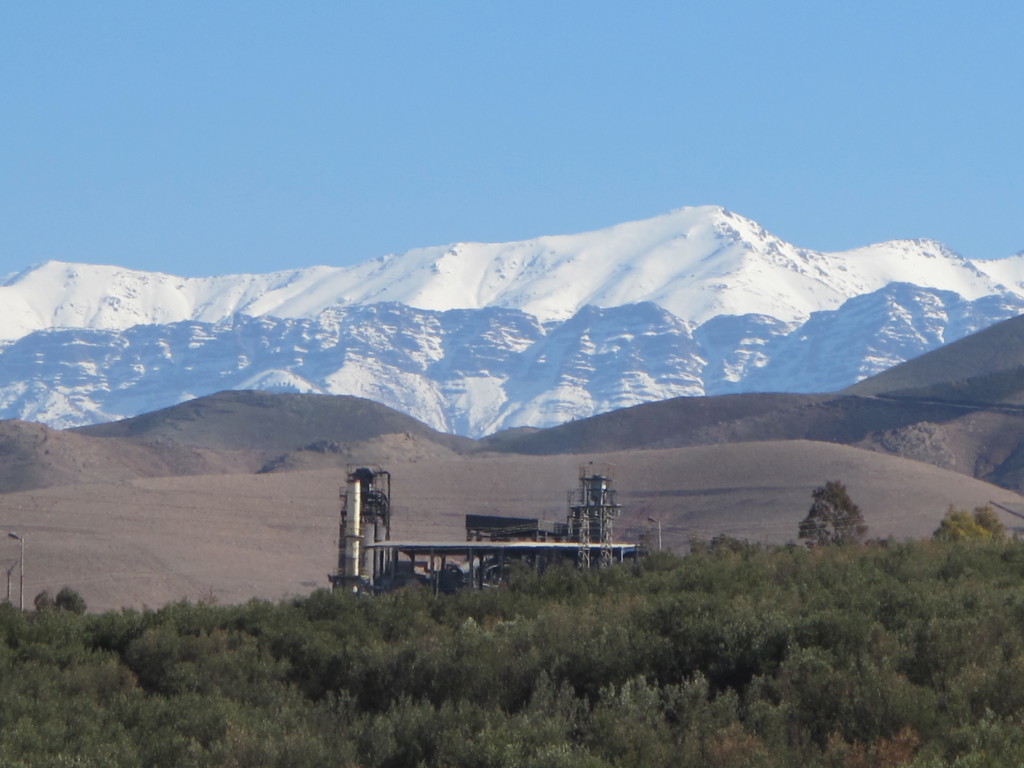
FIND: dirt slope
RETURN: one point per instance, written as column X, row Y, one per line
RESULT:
column 234, row 537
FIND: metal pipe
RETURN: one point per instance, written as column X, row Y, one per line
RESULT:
column 353, row 539
column 21, row 561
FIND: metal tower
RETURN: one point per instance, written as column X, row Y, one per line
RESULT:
column 592, row 508
column 365, row 518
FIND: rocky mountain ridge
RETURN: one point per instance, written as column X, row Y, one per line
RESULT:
column 476, row 338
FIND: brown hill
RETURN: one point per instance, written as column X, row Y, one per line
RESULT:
column 34, row 456
column 985, row 442
column 268, row 424
column 224, row 433
column 233, row 537
column 983, row 368
column 729, row 419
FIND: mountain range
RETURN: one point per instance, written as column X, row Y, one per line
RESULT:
column 474, row 338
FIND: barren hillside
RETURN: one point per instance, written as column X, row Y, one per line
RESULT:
column 234, row 537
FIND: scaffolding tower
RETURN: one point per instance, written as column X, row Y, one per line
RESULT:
column 592, row 508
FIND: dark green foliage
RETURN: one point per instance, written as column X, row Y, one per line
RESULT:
column 69, row 600
column 903, row 654
column 43, row 601
column 833, row 517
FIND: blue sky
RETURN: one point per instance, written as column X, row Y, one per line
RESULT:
column 205, row 138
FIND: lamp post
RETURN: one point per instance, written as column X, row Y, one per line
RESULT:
column 21, row 562
column 658, row 521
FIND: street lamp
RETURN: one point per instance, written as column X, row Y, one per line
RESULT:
column 21, row 562
column 658, row 521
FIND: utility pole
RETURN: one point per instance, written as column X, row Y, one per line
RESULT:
column 658, row 521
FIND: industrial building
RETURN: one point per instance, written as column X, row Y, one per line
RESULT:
column 370, row 561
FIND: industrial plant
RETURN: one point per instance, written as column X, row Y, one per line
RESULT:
column 370, row 561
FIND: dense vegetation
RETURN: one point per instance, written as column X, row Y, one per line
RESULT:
column 906, row 654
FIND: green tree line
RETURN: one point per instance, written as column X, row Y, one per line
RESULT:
column 878, row 655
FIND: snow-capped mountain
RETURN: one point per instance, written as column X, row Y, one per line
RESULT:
column 474, row 337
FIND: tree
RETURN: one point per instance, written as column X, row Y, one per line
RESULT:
column 833, row 517
column 959, row 524
column 43, row 601
column 69, row 600
column 66, row 600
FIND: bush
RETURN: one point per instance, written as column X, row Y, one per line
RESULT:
column 69, row 600
column 959, row 524
column 752, row 656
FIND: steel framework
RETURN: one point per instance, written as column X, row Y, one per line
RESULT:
column 592, row 508
column 365, row 519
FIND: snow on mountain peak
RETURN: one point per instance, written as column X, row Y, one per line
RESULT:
column 696, row 262
column 474, row 337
